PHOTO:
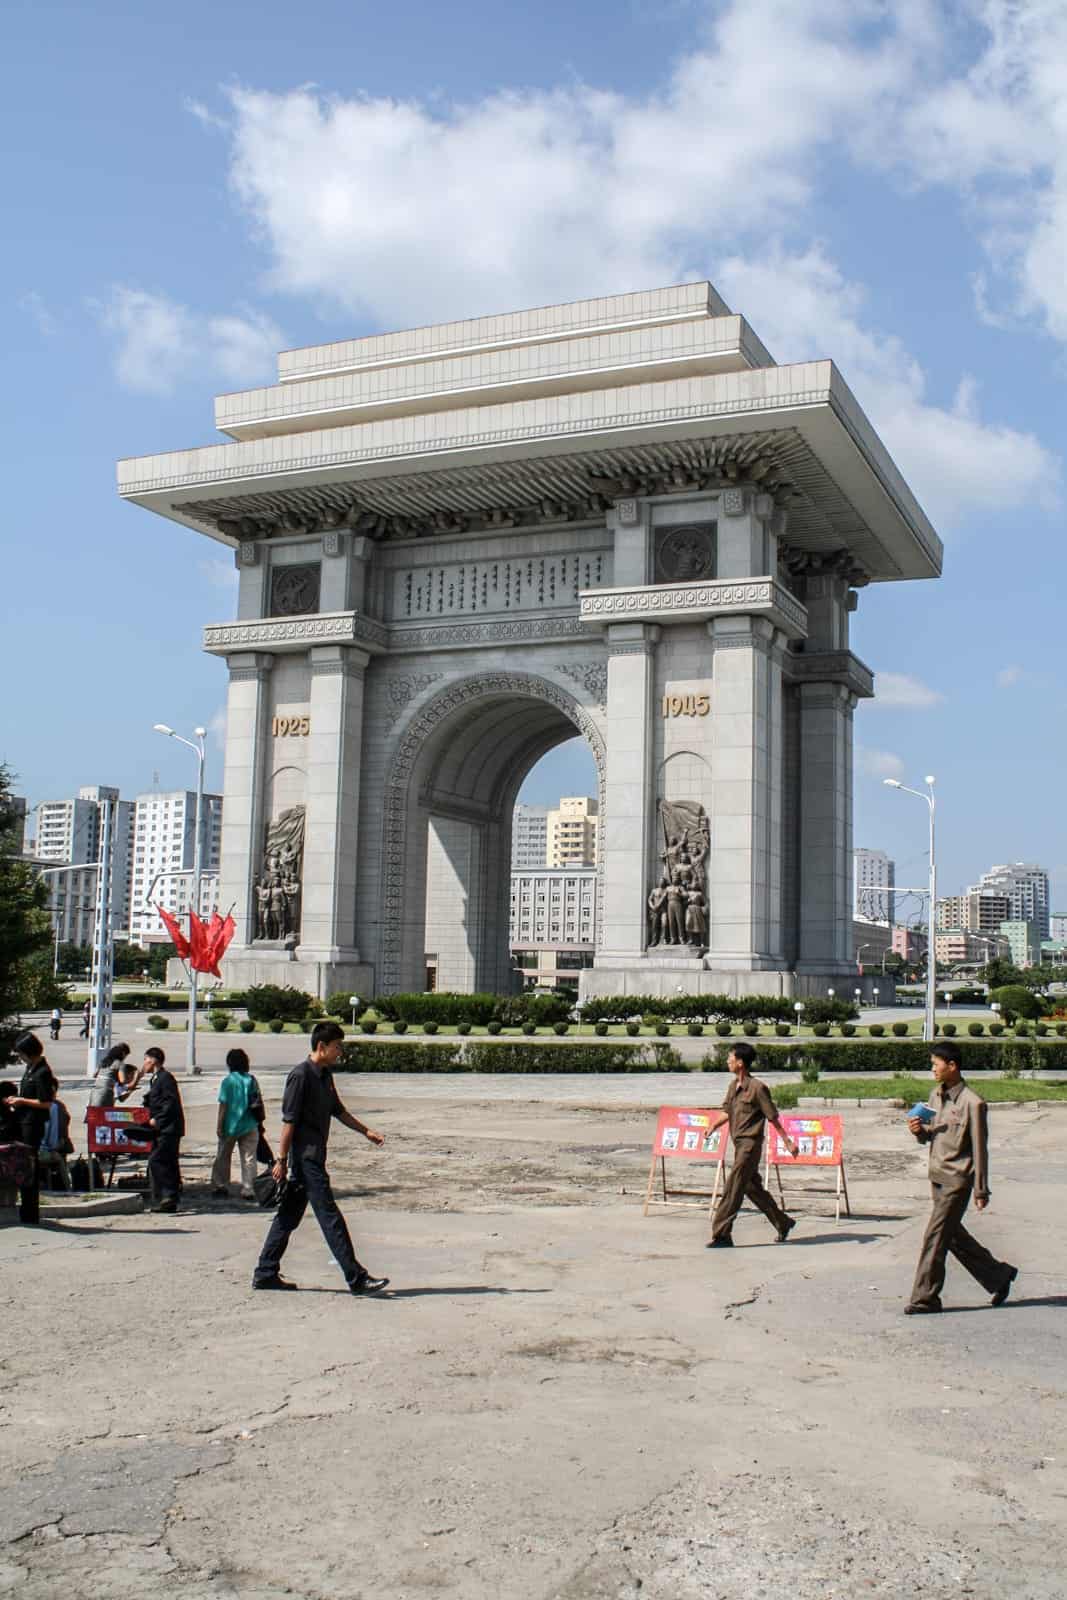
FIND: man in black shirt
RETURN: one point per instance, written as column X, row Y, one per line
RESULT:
column 309, row 1104
column 166, row 1118
column 31, row 1106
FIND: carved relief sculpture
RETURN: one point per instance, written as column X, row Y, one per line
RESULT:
column 678, row 904
column 277, row 889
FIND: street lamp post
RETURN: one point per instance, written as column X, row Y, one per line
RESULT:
column 929, row 1021
column 198, row 750
column 798, row 1006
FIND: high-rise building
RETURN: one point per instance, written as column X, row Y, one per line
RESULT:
column 553, row 924
column 873, row 876
column 529, row 837
column 1024, row 941
column 1057, row 928
column 572, row 833
column 164, row 829
column 68, row 833
column 978, row 911
column 1025, row 885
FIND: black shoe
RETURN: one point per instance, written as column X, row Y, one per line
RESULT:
column 783, row 1233
column 1005, row 1288
column 273, row 1283
column 724, row 1243
column 921, row 1311
column 166, row 1205
column 365, row 1284
column 220, row 1194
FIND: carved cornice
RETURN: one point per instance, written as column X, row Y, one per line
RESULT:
column 460, row 635
column 279, row 634
column 831, row 666
column 697, row 601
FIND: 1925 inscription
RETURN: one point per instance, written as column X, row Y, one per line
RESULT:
column 284, row 727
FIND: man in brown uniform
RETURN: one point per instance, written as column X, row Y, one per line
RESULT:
column 748, row 1107
column 958, row 1137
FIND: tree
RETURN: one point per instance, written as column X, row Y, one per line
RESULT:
column 75, row 960
column 1015, row 1000
column 24, row 923
column 998, row 972
column 155, row 958
column 130, row 960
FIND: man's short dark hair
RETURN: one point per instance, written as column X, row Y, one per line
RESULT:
column 326, row 1033
column 744, row 1052
column 237, row 1060
column 29, row 1045
column 156, row 1053
column 948, row 1052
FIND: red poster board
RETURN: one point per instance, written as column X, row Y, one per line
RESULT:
column 820, row 1141
column 683, row 1133
column 112, row 1131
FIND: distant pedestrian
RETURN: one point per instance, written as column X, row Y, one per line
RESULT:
column 55, row 1022
column 236, row 1124
column 166, row 1118
column 309, row 1104
column 37, row 1090
column 748, row 1108
column 958, row 1135
column 87, row 1017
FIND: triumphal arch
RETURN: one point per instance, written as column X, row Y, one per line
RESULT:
column 462, row 544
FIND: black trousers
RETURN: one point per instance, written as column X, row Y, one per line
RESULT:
column 309, row 1182
column 30, row 1197
column 164, row 1172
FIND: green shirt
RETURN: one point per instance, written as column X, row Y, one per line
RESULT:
column 235, row 1091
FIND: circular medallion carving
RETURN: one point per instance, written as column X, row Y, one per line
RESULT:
column 685, row 554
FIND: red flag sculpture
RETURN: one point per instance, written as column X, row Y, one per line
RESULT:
column 208, row 942
column 178, row 939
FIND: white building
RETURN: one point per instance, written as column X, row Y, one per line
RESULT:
column 572, row 833
column 873, row 877
column 164, row 828
column 979, row 911
column 68, row 832
column 1057, row 928
column 553, row 924
column 1026, row 887
column 529, row 837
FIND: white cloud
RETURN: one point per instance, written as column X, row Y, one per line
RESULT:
column 900, row 691
column 217, row 727
column 877, row 763
column 33, row 305
column 220, row 574
column 158, row 342
column 402, row 213
column 1008, row 676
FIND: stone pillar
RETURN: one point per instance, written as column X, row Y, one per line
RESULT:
column 825, row 833
column 629, row 789
column 334, row 762
column 244, row 782
column 746, row 545
column 455, row 915
column 745, row 876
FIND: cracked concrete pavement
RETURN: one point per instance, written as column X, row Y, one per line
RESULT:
column 558, row 1399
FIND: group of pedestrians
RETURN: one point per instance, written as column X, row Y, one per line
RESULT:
column 954, row 1124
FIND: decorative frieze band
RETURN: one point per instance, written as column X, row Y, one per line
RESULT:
column 831, row 666
column 294, row 633
column 697, row 601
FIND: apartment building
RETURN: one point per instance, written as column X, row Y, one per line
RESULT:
column 572, row 833
column 873, row 876
column 553, row 924
column 529, row 837
column 1025, row 886
column 163, row 844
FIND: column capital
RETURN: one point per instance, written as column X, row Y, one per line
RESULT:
column 250, row 667
column 337, row 660
column 632, row 638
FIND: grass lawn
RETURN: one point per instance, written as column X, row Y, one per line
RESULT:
column 913, row 1089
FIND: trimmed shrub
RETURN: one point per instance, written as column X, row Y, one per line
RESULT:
column 246, row 1025
column 307, row 1023
column 337, row 1005
column 540, row 1009
column 360, row 1057
column 633, row 1029
column 158, row 1022
column 694, row 1029
column 268, row 1000
column 461, row 1027
column 996, row 1029
column 750, row 1028
column 1021, row 1030
column 948, row 1029
column 782, row 1029
column 495, row 1027
column 723, row 1029
column 1015, row 1001
column 600, row 1029
column 561, row 1028
column 848, row 1030
column 1061, row 1030
column 400, row 1027
column 441, row 1006
column 899, row 1029
column 276, row 1024
column 137, row 1002
column 818, row 1009
column 529, row 1029
column 220, row 1021
column 821, row 1030
column 976, row 1029
column 877, row 1029
column 430, row 1026
column 663, row 1029
column 369, row 1025
column 1041, row 1029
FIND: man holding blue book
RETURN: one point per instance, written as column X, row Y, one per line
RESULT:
column 954, row 1124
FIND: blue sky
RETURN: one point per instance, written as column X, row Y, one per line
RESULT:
column 193, row 188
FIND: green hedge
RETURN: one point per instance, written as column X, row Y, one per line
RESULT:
column 477, row 1056
column 268, row 1000
column 899, row 1055
column 448, row 1009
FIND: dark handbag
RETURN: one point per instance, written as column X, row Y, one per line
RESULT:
column 264, row 1152
column 268, row 1191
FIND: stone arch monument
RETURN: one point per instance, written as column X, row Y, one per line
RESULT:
column 458, row 546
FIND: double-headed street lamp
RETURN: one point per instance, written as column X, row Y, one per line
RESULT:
column 931, row 956
column 198, row 751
